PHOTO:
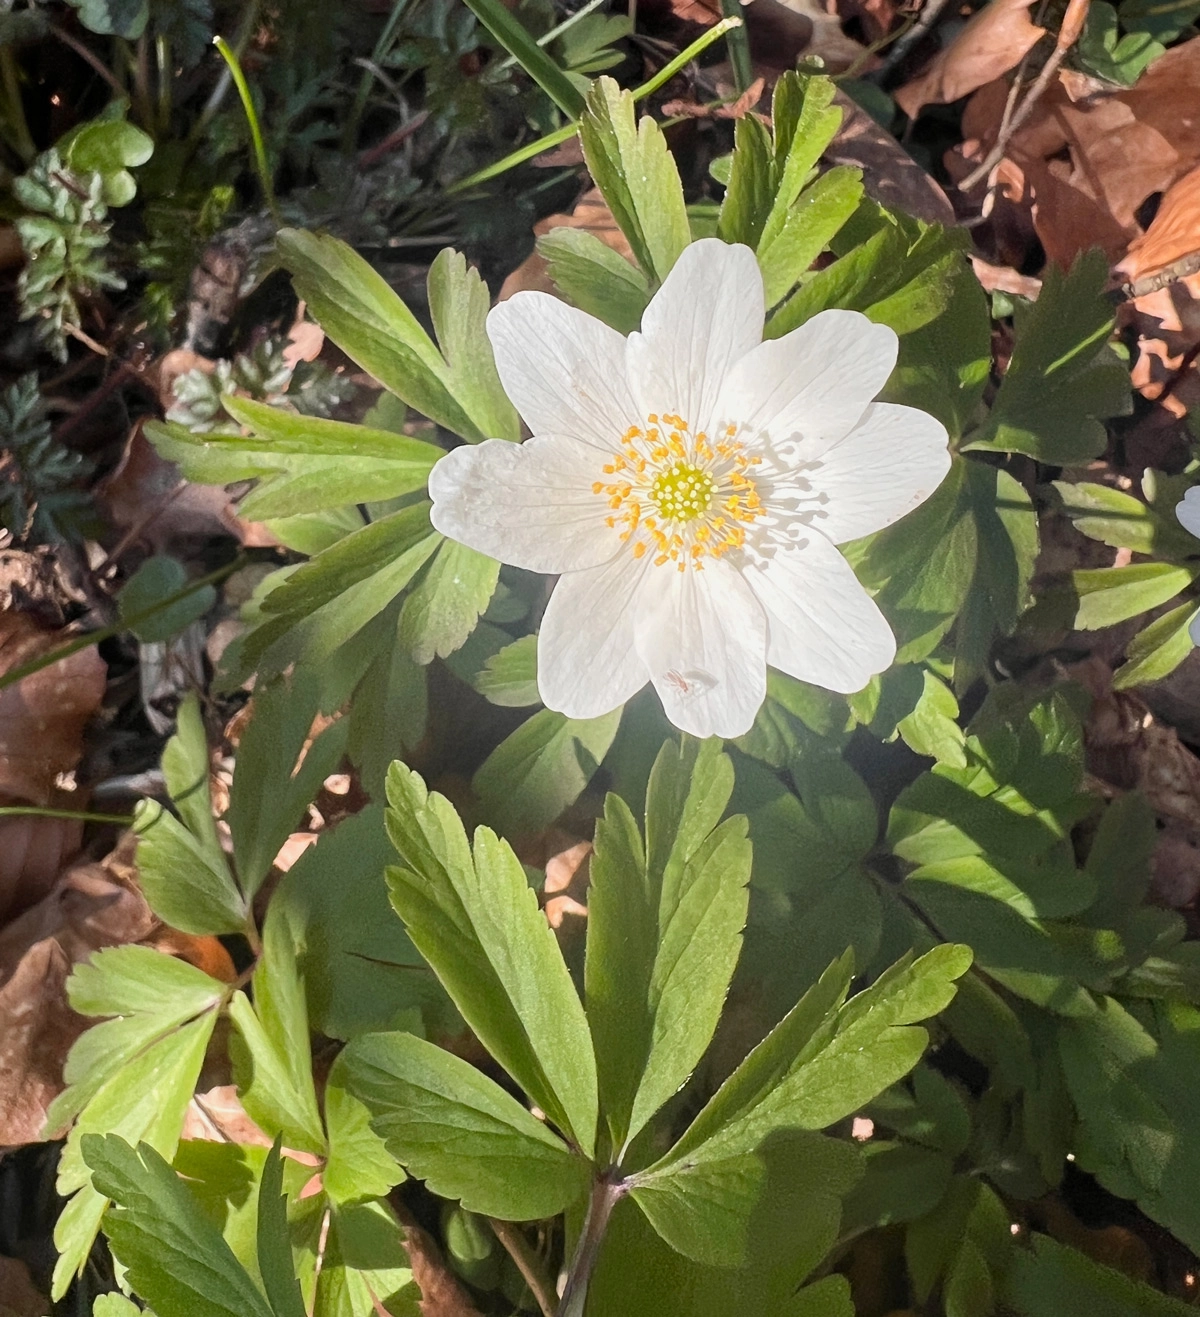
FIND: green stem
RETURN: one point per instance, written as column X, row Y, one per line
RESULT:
column 564, row 134
column 553, row 34
column 382, row 46
column 43, row 812
column 739, row 47
column 256, row 137
column 14, row 109
column 17, row 674
column 606, row 1194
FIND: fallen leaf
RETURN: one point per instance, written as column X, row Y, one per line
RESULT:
column 19, row 1296
column 442, row 1294
column 1173, row 235
column 890, row 175
column 43, row 715
column 1004, row 279
column 993, row 41
column 590, row 213
column 148, row 500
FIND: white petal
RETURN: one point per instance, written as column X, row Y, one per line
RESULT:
column 563, row 369
column 528, row 504
column 887, row 465
column 822, row 626
column 587, row 664
column 1188, row 511
column 703, row 636
column 809, row 388
column 707, row 315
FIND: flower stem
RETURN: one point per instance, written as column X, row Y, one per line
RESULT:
column 606, row 1194
column 256, row 137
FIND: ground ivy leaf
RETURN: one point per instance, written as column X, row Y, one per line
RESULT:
column 476, row 921
column 460, row 1132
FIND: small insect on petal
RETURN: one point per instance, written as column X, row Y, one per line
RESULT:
column 692, row 681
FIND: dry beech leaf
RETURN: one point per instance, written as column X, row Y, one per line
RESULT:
column 1004, row 279
column 994, row 41
column 1173, row 236
column 890, row 175
column 442, row 1294
column 1088, row 159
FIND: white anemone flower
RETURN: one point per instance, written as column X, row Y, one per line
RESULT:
column 688, row 484
column 1188, row 513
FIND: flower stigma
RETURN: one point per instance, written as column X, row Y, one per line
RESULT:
column 680, row 496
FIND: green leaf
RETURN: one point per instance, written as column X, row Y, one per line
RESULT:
column 810, row 225
column 121, row 18
column 541, row 768
column 664, row 931
column 634, row 170
column 368, row 321
column 515, row 38
column 442, row 610
column 269, row 793
column 805, row 123
column 1124, row 522
column 706, row 1210
column 509, row 677
column 793, row 1225
column 153, row 584
column 751, row 187
column 1137, row 1106
column 173, row 1255
column 595, row 278
column 460, row 1132
column 932, row 727
column 1048, row 1279
column 1158, row 650
column 315, row 464
column 274, row 1245
column 359, row 1166
column 1063, row 378
column 824, row 1060
column 185, row 884
column 114, row 1305
column 366, row 1263
column 145, row 1100
column 476, row 921
column 360, row 970
column 271, row 1053
column 1108, row 595
column 390, row 708
column 458, row 304
column 337, row 593
column 185, row 765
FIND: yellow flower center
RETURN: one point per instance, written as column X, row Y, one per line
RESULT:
column 682, row 496
column 683, row 492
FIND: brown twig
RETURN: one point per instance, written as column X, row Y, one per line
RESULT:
column 517, row 1247
column 87, row 56
column 905, row 40
column 1068, row 34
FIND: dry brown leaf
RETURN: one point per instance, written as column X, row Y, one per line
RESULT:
column 442, row 1294
column 86, row 910
column 43, row 715
column 19, row 1296
column 590, row 213
column 995, row 40
column 148, row 500
column 1173, row 235
column 1004, row 279
column 890, row 175
column 1089, row 159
